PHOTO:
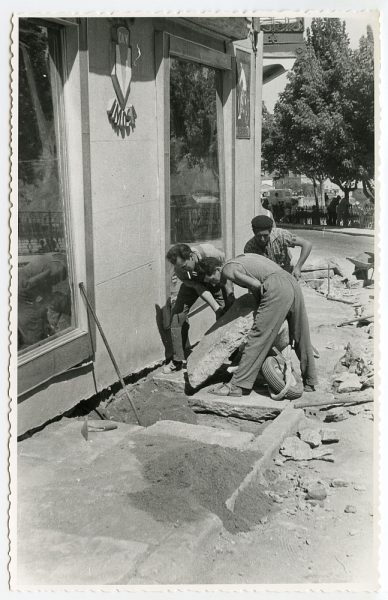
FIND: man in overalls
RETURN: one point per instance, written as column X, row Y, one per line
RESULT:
column 279, row 297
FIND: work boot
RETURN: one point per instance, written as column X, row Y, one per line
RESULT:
column 173, row 366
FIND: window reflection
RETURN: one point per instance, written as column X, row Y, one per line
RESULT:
column 45, row 304
column 195, row 205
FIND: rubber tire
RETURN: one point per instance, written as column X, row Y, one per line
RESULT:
column 271, row 373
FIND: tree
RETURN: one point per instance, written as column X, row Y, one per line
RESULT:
column 193, row 116
column 323, row 121
column 295, row 141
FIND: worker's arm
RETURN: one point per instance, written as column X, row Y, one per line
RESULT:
column 236, row 274
column 306, row 247
column 210, row 300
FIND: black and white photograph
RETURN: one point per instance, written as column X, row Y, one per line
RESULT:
column 194, row 277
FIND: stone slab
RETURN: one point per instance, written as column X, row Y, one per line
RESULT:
column 184, row 548
column 56, row 558
column 254, row 407
column 201, row 433
column 267, row 445
column 62, row 442
column 173, row 381
column 225, row 336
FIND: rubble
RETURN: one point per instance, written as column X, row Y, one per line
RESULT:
column 329, row 436
column 336, row 414
column 312, row 437
column 339, row 483
column 350, row 383
column 316, row 491
column 296, row 449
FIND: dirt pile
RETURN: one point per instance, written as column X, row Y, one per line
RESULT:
column 201, row 476
column 153, row 403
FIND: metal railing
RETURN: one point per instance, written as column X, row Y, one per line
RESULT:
column 41, row 231
column 195, row 223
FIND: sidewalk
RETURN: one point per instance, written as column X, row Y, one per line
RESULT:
column 345, row 230
column 129, row 506
column 145, row 506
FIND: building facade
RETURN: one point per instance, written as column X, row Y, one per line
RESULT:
column 133, row 134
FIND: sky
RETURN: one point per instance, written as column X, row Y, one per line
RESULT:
column 355, row 26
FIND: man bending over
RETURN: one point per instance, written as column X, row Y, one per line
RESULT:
column 219, row 297
column 279, row 297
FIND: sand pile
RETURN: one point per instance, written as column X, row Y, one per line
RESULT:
column 201, row 476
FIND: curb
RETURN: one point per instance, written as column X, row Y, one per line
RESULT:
column 361, row 233
column 268, row 443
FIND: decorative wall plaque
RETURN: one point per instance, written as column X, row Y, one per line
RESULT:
column 243, row 93
column 121, row 116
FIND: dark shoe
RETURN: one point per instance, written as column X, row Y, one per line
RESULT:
column 173, row 366
column 309, row 388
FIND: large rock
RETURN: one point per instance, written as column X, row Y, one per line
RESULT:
column 349, row 383
column 225, row 336
column 323, row 263
column 317, row 274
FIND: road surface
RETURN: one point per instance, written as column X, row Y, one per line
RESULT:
column 340, row 245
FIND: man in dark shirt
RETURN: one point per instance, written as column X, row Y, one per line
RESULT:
column 185, row 260
column 274, row 242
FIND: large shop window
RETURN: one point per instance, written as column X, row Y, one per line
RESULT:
column 195, row 201
column 47, row 299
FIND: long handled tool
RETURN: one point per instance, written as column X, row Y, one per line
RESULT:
column 90, row 307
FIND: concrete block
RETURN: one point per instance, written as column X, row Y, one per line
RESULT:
column 201, row 433
column 63, row 442
column 172, row 381
column 225, row 336
column 56, row 558
column 255, row 407
column 267, row 445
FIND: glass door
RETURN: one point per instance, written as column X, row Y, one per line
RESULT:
column 196, row 214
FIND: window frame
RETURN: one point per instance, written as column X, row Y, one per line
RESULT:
column 42, row 363
column 169, row 46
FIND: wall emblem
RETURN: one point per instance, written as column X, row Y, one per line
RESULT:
column 121, row 117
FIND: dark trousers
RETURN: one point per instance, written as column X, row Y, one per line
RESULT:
column 281, row 299
column 179, row 325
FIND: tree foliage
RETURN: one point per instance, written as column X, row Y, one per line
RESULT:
column 323, row 122
column 193, row 116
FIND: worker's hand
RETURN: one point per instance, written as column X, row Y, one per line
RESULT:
column 229, row 301
column 219, row 312
column 296, row 272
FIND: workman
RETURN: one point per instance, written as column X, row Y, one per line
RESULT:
column 185, row 260
column 274, row 242
column 279, row 297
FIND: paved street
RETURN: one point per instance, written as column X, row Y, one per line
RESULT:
column 340, row 245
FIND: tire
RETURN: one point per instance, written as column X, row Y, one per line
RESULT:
column 273, row 372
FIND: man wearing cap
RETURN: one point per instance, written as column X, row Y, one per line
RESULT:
column 274, row 242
